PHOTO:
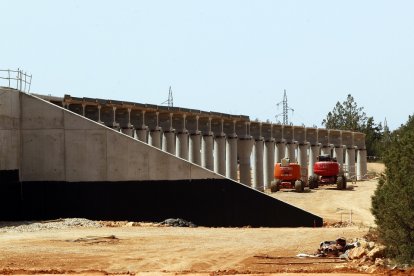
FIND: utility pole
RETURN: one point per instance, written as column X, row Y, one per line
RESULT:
column 286, row 109
column 170, row 101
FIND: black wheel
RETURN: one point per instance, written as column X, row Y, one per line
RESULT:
column 341, row 183
column 313, row 182
column 275, row 186
column 299, row 186
column 344, row 182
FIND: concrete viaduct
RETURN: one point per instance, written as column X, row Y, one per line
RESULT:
column 230, row 145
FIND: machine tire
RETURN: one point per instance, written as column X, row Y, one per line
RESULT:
column 299, row 186
column 313, row 182
column 341, row 183
column 275, row 186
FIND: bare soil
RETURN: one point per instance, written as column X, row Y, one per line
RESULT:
column 150, row 249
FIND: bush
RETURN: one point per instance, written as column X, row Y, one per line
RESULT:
column 393, row 201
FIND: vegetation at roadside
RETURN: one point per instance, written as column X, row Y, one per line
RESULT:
column 393, row 201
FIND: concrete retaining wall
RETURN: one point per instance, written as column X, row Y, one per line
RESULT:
column 59, row 145
column 55, row 163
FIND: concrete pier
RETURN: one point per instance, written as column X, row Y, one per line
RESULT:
column 257, row 154
column 142, row 134
column 313, row 154
column 303, row 160
column 350, row 163
column 361, row 165
column 182, row 144
column 128, row 131
column 326, row 150
column 220, row 154
column 168, row 141
column 162, row 125
column 244, row 149
column 269, row 162
column 182, row 140
column 290, row 151
column 231, row 157
column 195, row 148
column 155, row 137
column 339, row 155
column 280, row 151
column 207, row 157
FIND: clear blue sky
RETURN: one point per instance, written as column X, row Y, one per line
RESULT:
column 224, row 56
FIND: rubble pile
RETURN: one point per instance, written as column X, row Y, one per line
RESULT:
column 177, row 222
column 364, row 255
column 32, row 226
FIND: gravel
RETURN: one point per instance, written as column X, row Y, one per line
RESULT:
column 32, row 226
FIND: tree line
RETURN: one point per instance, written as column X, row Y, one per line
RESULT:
column 348, row 116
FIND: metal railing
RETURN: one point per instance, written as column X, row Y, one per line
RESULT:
column 16, row 79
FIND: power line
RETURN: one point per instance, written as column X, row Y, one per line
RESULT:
column 170, row 101
column 286, row 109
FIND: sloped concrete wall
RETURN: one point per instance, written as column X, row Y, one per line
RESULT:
column 9, row 129
column 55, row 163
column 58, row 145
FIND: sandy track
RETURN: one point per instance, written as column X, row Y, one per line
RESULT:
column 164, row 249
column 155, row 250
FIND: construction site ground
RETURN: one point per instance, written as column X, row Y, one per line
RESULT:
column 152, row 249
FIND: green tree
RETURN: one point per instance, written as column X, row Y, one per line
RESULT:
column 393, row 201
column 348, row 116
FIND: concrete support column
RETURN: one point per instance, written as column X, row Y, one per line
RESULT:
column 142, row 131
column 128, row 131
column 182, row 144
column 220, row 151
column 83, row 109
column 339, row 155
column 231, row 157
column 182, row 141
column 130, row 128
column 313, row 154
column 257, row 154
column 325, row 150
column 141, row 134
column 220, row 154
column 168, row 141
column 303, row 160
column 361, row 164
column 195, row 148
column 269, row 162
column 280, row 151
column 290, row 151
column 350, row 162
column 99, row 114
column 115, row 125
column 207, row 158
column 244, row 149
column 155, row 137
column 195, row 145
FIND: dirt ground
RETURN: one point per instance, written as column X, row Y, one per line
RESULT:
column 151, row 249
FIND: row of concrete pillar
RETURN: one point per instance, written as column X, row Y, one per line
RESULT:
column 238, row 157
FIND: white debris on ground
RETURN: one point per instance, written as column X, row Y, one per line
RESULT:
column 362, row 254
column 32, row 226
